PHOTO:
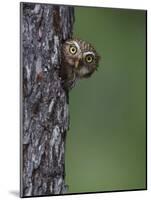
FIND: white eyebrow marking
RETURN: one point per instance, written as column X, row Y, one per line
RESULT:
column 89, row 52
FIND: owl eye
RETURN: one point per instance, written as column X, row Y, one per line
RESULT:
column 89, row 58
column 73, row 50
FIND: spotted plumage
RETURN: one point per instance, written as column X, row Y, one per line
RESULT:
column 79, row 60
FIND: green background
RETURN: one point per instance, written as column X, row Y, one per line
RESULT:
column 106, row 144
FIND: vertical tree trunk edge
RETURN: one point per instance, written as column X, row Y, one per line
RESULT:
column 44, row 111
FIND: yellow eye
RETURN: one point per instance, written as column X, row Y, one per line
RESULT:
column 89, row 58
column 73, row 50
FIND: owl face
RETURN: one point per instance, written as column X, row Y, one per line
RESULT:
column 81, row 57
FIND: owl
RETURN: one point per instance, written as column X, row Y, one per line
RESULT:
column 79, row 60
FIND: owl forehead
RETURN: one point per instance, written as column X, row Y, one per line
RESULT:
column 82, row 45
column 85, row 46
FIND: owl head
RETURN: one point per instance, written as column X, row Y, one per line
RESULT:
column 81, row 57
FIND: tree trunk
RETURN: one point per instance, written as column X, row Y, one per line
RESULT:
column 44, row 103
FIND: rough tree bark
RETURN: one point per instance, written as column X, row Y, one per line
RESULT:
column 44, row 103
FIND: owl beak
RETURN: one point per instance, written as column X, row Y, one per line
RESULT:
column 77, row 62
